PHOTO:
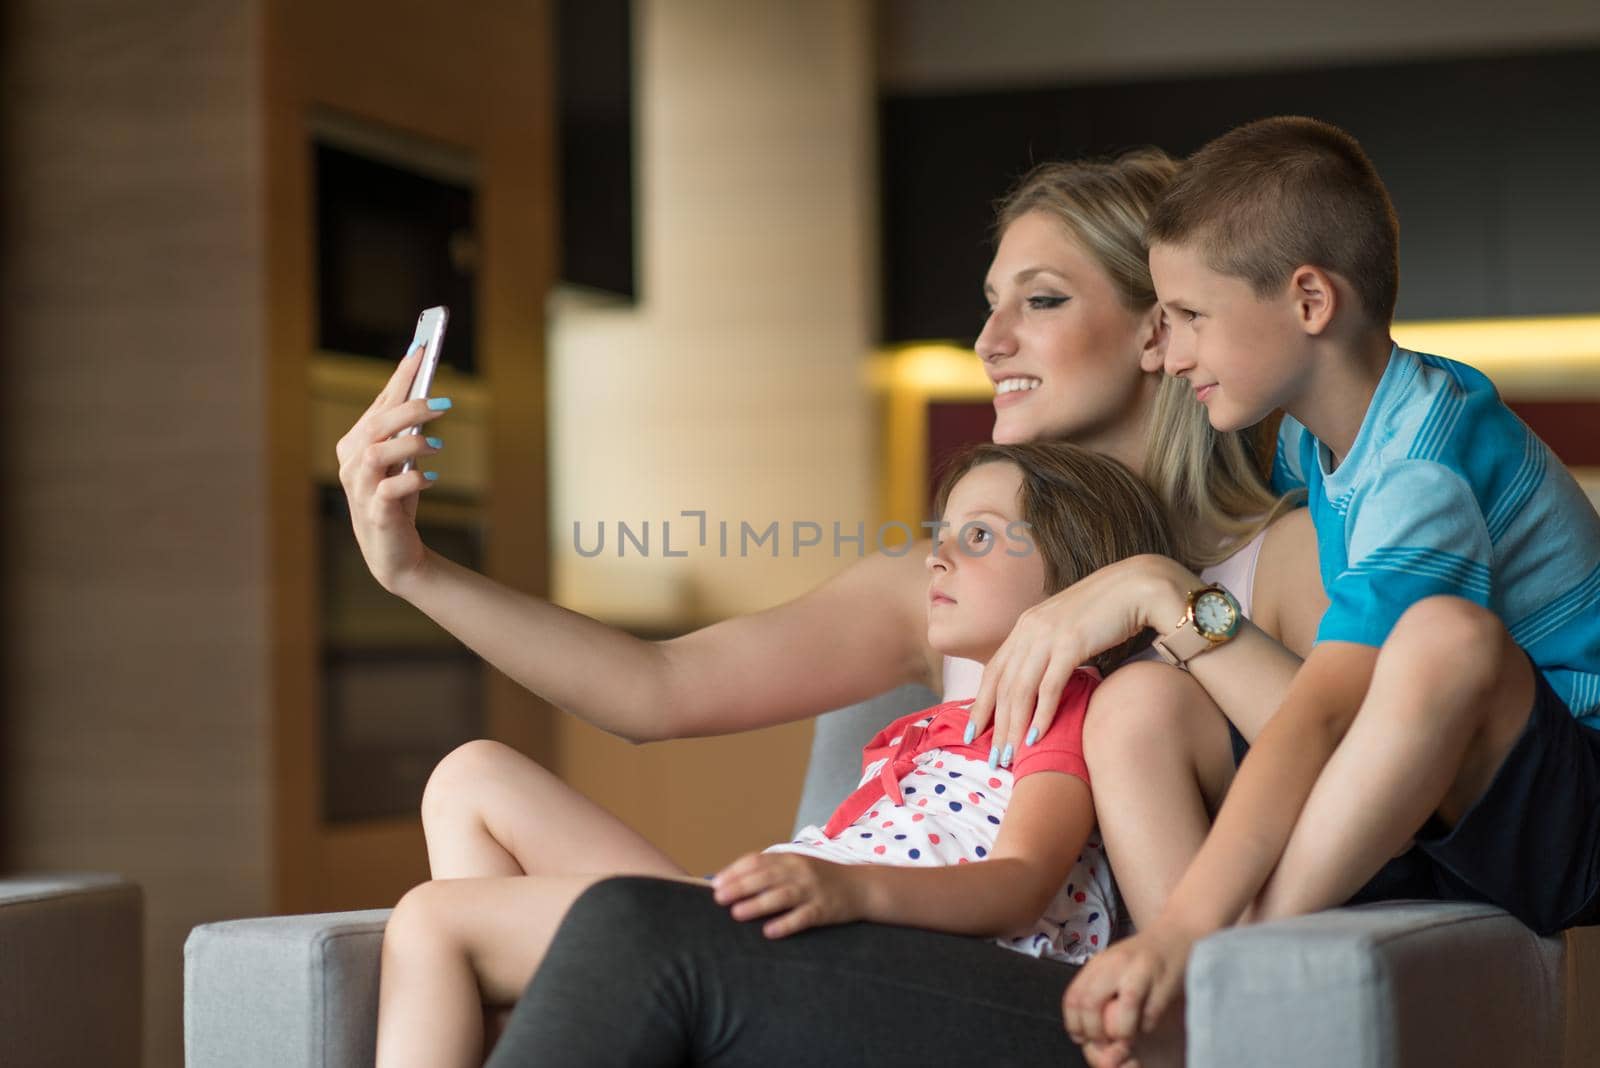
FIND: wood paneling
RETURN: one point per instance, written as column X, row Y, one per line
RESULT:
column 478, row 79
column 160, row 699
column 136, row 672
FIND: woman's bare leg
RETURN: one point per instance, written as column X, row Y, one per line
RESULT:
column 488, row 810
column 453, row 946
column 510, row 846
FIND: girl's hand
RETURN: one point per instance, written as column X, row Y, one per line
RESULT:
column 1022, row 683
column 803, row 891
column 383, row 503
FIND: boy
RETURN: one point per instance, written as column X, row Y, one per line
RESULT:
column 1447, row 717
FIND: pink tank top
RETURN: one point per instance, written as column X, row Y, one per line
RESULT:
column 1236, row 574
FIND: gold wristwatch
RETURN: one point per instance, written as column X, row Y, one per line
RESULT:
column 1211, row 619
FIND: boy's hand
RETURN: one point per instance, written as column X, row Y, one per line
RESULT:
column 1109, row 1055
column 1023, row 681
column 1122, row 993
column 802, row 891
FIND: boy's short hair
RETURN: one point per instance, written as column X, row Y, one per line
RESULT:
column 1083, row 510
column 1278, row 193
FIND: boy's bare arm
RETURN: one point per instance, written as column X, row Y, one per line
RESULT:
column 1128, row 987
column 1271, row 789
column 1045, row 828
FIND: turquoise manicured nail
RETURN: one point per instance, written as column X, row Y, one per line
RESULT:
column 438, row 404
column 994, row 756
column 1005, row 758
column 1033, row 734
column 430, row 475
column 435, row 443
column 972, row 731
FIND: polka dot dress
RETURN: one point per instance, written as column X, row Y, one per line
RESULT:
column 951, row 815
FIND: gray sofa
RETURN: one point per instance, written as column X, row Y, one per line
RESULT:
column 71, row 971
column 1385, row 986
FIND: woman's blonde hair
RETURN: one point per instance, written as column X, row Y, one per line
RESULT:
column 1211, row 483
column 1083, row 511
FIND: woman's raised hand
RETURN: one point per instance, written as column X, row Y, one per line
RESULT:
column 383, row 502
column 1023, row 682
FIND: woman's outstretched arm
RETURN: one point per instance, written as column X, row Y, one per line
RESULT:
column 859, row 634
column 855, row 636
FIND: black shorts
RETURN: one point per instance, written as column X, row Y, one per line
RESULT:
column 1530, row 844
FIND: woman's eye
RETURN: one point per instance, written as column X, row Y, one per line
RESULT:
column 1046, row 303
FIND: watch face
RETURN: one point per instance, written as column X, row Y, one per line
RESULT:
column 1213, row 615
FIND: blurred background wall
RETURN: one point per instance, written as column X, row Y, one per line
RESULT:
column 733, row 385
column 137, row 676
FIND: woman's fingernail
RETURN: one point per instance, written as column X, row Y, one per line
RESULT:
column 972, row 732
column 435, row 443
column 1005, row 758
column 994, row 756
column 1033, row 734
column 430, row 475
column 438, row 404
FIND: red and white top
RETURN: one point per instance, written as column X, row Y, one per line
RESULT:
column 928, row 798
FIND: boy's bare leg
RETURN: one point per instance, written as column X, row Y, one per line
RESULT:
column 1160, row 760
column 1450, row 695
column 489, row 810
column 452, row 946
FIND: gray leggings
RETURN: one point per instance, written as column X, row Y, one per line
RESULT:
column 648, row 972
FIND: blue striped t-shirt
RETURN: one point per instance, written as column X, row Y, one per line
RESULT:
column 1446, row 491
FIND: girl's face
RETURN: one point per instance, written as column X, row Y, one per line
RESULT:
column 1068, row 359
column 984, row 567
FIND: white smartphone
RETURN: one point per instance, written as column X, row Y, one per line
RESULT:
column 430, row 336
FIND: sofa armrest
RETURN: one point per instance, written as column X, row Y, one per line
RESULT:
column 1384, row 986
column 71, row 970
column 283, row 992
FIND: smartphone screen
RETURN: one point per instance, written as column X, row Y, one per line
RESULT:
column 430, row 338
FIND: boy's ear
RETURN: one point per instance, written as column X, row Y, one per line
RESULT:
column 1153, row 331
column 1315, row 297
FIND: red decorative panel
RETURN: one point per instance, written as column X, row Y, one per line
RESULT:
column 1570, row 428
column 951, row 425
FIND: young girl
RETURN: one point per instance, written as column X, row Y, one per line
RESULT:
column 1012, row 845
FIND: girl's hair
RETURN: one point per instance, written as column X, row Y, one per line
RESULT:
column 1210, row 482
column 1083, row 510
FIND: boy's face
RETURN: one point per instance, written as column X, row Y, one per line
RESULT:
column 1242, row 354
column 984, row 568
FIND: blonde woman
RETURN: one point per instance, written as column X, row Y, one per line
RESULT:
column 1073, row 343
column 931, row 836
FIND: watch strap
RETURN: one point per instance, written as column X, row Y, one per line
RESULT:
column 1178, row 647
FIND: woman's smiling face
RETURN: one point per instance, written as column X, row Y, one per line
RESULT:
column 1061, row 347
